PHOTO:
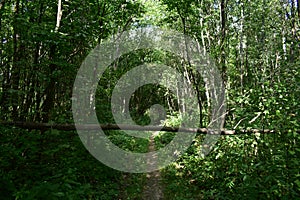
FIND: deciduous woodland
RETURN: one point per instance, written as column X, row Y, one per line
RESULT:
column 254, row 44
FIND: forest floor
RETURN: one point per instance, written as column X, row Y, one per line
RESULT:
column 153, row 189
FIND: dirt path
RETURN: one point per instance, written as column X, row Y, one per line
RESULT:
column 153, row 188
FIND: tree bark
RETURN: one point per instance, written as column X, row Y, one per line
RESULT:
column 15, row 75
column 49, row 102
column 223, row 19
column 87, row 127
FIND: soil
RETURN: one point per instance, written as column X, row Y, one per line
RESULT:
column 153, row 187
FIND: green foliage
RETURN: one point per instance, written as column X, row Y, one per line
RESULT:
column 129, row 143
column 55, row 165
column 245, row 167
column 255, row 45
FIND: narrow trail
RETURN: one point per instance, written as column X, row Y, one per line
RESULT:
column 153, row 189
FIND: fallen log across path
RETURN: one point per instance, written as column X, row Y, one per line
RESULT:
column 72, row 127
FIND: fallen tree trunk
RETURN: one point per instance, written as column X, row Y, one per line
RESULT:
column 72, row 127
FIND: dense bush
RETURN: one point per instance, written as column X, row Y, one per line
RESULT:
column 55, row 165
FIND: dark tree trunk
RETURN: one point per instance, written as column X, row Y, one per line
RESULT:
column 48, row 104
column 15, row 75
column 223, row 36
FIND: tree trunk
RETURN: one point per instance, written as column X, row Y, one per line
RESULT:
column 223, row 19
column 48, row 104
column 15, row 75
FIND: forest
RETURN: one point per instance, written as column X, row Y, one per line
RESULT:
column 218, row 89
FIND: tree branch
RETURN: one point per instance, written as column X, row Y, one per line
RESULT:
column 71, row 127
